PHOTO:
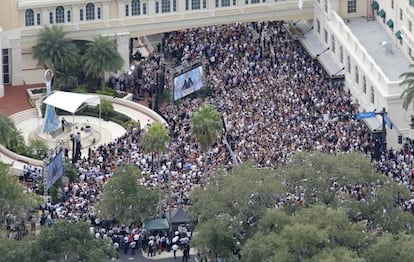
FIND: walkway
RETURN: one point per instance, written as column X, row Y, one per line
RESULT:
column 15, row 99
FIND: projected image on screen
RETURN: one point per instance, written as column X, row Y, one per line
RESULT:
column 54, row 170
column 188, row 82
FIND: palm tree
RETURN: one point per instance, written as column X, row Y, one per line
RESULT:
column 6, row 127
column 155, row 140
column 55, row 51
column 408, row 93
column 205, row 126
column 101, row 56
column 10, row 136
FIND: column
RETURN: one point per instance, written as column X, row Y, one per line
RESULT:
column 122, row 40
column 1, row 67
column 16, row 62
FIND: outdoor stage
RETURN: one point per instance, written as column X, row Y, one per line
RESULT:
column 92, row 131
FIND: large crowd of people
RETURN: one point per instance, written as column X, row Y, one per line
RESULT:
column 274, row 98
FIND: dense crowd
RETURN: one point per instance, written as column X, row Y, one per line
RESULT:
column 275, row 100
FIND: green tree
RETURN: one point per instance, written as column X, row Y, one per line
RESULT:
column 6, row 127
column 37, row 149
column 240, row 199
column 13, row 200
column 10, row 136
column 215, row 239
column 56, row 51
column 205, row 126
column 101, row 56
column 155, row 139
column 391, row 247
column 66, row 241
column 124, row 199
column 408, row 93
column 106, row 107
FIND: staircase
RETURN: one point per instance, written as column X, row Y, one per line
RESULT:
column 24, row 115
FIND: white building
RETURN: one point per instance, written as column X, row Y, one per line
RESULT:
column 352, row 29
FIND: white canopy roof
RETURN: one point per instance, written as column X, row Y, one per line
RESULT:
column 70, row 102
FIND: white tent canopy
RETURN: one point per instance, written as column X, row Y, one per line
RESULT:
column 71, row 102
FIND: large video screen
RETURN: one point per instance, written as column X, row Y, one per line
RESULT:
column 54, row 170
column 188, row 82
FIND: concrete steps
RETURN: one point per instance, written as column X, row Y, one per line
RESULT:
column 24, row 115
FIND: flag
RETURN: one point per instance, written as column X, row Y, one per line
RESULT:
column 300, row 4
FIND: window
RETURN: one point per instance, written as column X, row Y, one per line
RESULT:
column 364, row 85
column 326, row 35
column 98, row 10
column 326, row 6
column 410, row 25
column 135, row 7
column 356, row 75
column 50, row 17
column 234, row 2
column 372, row 95
column 81, row 14
column 333, row 43
column 401, row 14
column 204, row 4
column 351, row 6
column 157, row 7
column 126, row 10
column 218, row 3
column 165, row 6
column 174, row 5
column 341, row 55
column 392, row 4
column 225, row 2
column 38, row 18
column 90, row 11
column 144, row 8
column 29, row 17
column 255, row 1
column 409, row 51
column 6, row 66
column 318, row 26
column 60, row 15
column 349, row 64
column 195, row 4
column 69, row 16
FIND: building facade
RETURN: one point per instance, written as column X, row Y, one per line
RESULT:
column 332, row 21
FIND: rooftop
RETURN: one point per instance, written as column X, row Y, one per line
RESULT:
column 374, row 38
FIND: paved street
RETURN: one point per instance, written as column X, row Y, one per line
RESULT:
column 163, row 257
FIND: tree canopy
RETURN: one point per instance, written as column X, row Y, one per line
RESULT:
column 317, row 207
column 124, row 199
column 55, row 50
column 101, row 56
column 205, row 125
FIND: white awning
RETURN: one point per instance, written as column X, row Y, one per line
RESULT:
column 70, row 102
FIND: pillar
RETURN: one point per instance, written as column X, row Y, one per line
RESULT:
column 16, row 62
column 122, row 40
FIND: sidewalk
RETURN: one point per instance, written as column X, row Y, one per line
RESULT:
column 165, row 254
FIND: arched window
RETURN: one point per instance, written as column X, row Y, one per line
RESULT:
column 60, row 15
column 136, row 7
column 90, row 11
column 29, row 17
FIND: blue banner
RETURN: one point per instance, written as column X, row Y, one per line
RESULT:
column 51, row 122
column 365, row 115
